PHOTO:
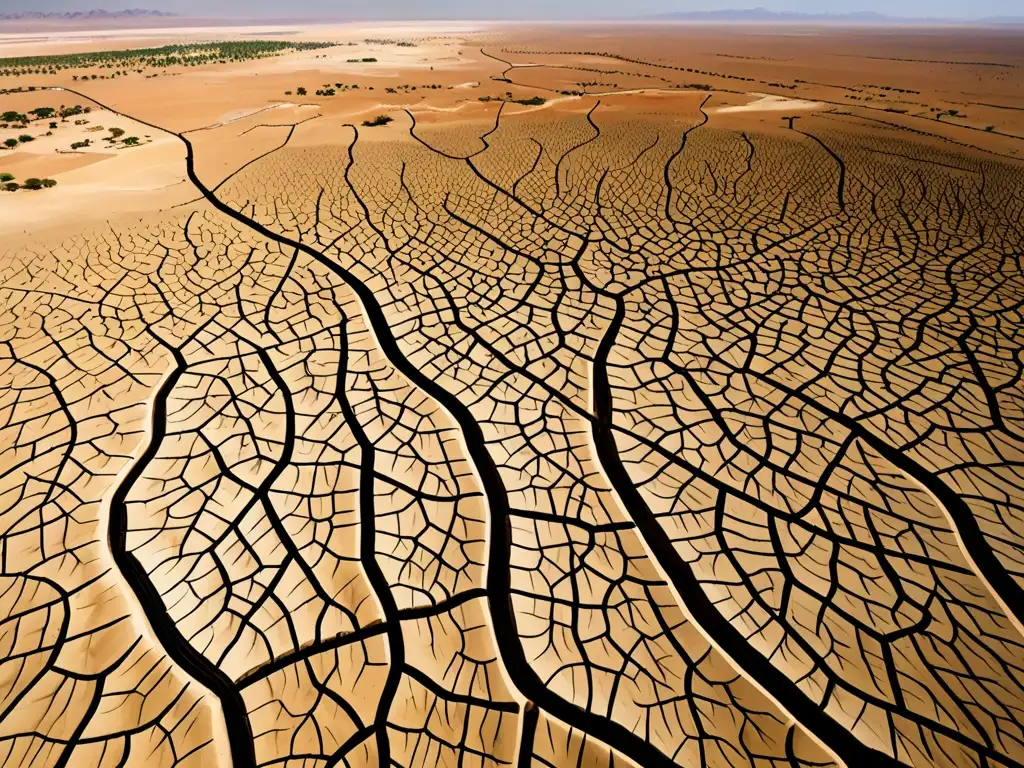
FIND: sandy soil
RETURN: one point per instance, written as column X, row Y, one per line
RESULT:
column 767, row 103
column 590, row 412
column 754, row 79
column 94, row 182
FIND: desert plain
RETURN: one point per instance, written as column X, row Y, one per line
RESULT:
column 464, row 394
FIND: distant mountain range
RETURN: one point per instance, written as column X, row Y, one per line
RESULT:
column 856, row 17
column 133, row 13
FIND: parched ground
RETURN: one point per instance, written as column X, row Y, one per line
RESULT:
column 597, row 433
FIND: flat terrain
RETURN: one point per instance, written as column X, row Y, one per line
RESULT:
column 463, row 395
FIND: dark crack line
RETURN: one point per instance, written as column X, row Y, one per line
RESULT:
column 368, row 552
column 964, row 521
column 236, row 719
column 522, row 673
column 836, row 737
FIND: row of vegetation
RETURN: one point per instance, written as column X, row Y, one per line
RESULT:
column 333, row 90
column 328, row 89
column 378, row 120
column 138, row 59
column 388, row 41
column 533, row 101
column 406, row 88
column 10, row 185
column 629, row 60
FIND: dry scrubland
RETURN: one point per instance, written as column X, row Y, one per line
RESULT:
column 625, row 399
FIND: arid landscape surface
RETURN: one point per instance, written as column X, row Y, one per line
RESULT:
column 528, row 395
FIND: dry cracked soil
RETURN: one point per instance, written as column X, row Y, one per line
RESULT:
column 612, row 431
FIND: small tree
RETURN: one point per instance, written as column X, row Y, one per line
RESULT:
column 6, row 177
column 33, row 184
column 11, row 143
column 116, row 133
column 131, row 141
column 49, row 183
column 11, row 186
column 25, row 138
column 300, row 91
column 53, row 126
column 42, row 113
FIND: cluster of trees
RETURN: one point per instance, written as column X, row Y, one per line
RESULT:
column 14, row 119
column 378, row 120
column 365, row 59
column 10, row 185
column 125, row 61
column 12, row 142
column 115, row 134
column 20, row 120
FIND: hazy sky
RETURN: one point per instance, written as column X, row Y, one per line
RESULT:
column 520, row 9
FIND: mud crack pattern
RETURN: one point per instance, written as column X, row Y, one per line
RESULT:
column 577, row 441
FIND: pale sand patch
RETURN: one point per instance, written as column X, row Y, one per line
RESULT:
column 24, row 165
column 391, row 61
column 770, row 103
column 237, row 115
column 96, row 182
column 520, row 109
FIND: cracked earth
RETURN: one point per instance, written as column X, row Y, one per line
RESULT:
column 564, row 440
